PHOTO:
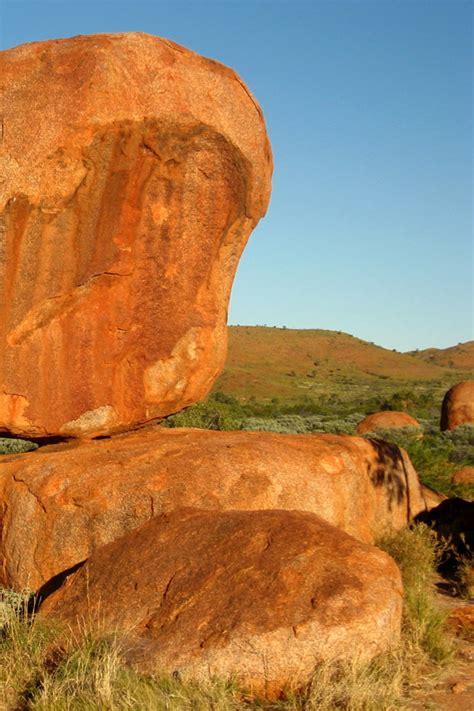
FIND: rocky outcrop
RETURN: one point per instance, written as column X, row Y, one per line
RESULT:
column 63, row 501
column 458, row 406
column 262, row 596
column 132, row 173
column 386, row 419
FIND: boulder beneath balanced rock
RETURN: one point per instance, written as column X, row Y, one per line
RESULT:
column 132, row 173
column 386, row 420
column 258, row 595
column 63, row 501
column 458, row 406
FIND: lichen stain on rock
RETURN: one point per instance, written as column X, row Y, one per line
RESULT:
column 167, row 375
column 92, row 421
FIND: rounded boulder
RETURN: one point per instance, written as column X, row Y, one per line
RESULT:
column 133, row 172
column 386, row 420
column 458, row 406
column 261, row 596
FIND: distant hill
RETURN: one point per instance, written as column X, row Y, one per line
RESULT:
column 460, row 356
column 268, row 362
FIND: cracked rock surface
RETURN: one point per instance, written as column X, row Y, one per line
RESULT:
column 132, row 172
column 258, row 595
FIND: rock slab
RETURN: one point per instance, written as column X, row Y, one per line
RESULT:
column 262, row 596
column 60, row 503
column 132, row 173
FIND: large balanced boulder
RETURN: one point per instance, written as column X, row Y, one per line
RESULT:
column 386, row 420
column 258, row 595
column 63, row 501
column 458, row 406
column 132, row 172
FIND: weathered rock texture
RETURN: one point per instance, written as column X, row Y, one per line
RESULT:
column 62, row 502
column 261, row 595
column 386, row 419
column 132, row 172
column 458, row 406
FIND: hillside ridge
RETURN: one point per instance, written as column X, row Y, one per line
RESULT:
column 267, row 361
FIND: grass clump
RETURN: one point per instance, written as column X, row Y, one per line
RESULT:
column 42, row 668
column 417, row 552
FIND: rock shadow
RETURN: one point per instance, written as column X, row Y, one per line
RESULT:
column 389, row 471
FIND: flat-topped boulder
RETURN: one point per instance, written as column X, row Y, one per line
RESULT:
column 386, row 420
column 132, row 173
column 261, row 596
column 62, row 502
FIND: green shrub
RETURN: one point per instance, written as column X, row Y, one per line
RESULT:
column 9, row 445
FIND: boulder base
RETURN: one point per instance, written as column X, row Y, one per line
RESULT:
column 132, row 173
column 63, row 501
column 262, row 596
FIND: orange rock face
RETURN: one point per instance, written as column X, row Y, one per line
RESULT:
column 386, row 419
column 132, row 173
column 259, row 595
column 458, row 406
column 63, row 501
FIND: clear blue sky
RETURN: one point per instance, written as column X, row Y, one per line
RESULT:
column 369, row 109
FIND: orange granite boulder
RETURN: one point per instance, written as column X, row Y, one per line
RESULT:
column 132, row 172
column 458, row 406
column 261, row 596
column 59, row 504
column 386, row 420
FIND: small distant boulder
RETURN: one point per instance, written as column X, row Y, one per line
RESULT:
column 386, row 420
column 261, row 596
column 458, row 406
column 463, row 476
